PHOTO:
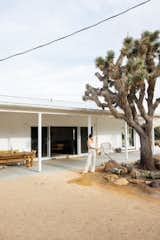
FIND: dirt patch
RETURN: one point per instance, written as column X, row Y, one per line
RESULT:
column 98, row 178
column 84, row 181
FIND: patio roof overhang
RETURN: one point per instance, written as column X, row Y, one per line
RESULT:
column 59, row 110
column 50, row 106
column 47, row 109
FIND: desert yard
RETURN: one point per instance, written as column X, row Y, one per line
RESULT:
column 52, row 206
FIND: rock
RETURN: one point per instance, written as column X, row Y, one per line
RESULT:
column 128, row 166
column 111, row 177
column 148, row 182
column 136, row 181
column 124, row 170
column 111, row 164
column 121, row 182
column 157, row 161
column 135, row 173
column 119, row 171
column 154, row 184
column 157, row 164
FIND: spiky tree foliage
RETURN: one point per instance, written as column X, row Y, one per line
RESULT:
column 128, row 85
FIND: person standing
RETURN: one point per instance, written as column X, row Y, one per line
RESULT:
column 91, row 160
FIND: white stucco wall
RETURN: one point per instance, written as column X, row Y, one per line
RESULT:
column 15, row 128
column 109, row 130
column 15, row 131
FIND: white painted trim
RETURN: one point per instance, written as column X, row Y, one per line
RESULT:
column 89, row 124
column 48, row 141
column 53, row 113
column 65, row 156
column 78, row 140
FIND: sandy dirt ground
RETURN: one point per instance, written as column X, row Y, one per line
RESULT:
column 51, row 207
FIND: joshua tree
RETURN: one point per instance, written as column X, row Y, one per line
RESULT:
column 128, row 85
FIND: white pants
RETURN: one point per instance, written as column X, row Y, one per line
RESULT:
column 91, row 160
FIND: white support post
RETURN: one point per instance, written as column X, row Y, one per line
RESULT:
column 89, row 124
column 49, row 143
column 39, row 142
column 126, row 142
column 79, row 140
column 96, row 131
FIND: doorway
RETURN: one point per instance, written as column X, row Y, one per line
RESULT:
column 63, row 140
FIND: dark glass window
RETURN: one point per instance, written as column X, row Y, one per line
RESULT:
column 63, row 140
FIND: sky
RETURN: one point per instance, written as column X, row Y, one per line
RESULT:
column 62, row 70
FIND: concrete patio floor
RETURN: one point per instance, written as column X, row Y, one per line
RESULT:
column 54, row 165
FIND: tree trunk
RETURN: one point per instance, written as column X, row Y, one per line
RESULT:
column 146, row 157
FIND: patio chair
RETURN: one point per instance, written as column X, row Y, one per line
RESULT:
column 106, row 149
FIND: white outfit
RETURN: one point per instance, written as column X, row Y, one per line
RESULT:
column 91, row 160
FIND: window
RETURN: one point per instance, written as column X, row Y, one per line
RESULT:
column 131, row 138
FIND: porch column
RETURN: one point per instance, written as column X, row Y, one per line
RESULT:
column 96, row 132
column 126, row 141
column 49, row 142
column 153, row 140
column 39, row 142
column 89, row 124
column 79, row 140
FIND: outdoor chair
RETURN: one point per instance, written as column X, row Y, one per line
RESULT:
column 105, row 150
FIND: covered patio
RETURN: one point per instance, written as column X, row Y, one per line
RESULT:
column 20, row 116
column 24, row 114
column 70, row 164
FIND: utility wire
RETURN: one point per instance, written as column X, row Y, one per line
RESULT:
column 75, row 32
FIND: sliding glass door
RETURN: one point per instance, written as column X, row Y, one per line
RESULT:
column 59, row 140
column 63, row 140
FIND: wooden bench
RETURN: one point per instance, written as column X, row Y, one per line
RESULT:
column 17, row 156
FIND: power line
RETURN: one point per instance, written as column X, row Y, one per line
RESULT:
column 74, row 33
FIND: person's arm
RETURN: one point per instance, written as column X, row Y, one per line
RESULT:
column 91, row 145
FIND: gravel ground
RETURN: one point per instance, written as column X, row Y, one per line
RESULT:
column 47, row 207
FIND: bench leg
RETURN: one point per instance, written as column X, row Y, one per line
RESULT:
column 28, row 162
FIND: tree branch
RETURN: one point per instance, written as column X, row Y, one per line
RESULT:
column 150, row 93
column 99, row 76
column 141, row 109
column 157, row 102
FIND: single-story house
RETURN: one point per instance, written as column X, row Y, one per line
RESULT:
column 54, row 127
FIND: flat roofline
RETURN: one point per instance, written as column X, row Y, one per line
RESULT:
column 50, row 110
column 6, row 106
